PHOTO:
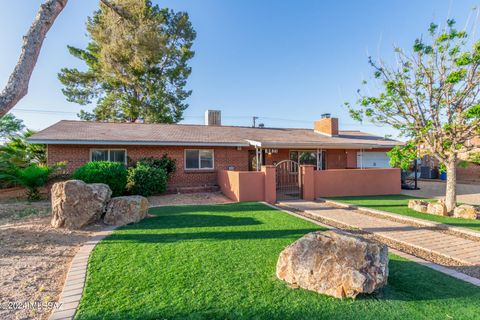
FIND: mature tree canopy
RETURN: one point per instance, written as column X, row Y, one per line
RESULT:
column 10, row 126
column 431, row 96
column 137, row 64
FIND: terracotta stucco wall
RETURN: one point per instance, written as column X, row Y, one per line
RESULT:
column 78, row 155
column 242, row 185
column 356, row 182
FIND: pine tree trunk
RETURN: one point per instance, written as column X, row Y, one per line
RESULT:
column 451, row 192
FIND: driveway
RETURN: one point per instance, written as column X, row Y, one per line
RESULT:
column 466, row 193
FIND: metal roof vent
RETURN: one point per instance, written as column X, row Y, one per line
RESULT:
column 213, row 118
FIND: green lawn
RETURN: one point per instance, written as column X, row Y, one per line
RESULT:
column 399, row 204
column 218, row 262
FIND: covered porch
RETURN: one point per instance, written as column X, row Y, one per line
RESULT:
column 322, row 157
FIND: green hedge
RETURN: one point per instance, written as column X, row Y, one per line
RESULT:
column 166, row 163
column 146, row 180
column 114, row 174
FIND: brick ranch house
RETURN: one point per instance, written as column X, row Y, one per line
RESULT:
column 235, row 158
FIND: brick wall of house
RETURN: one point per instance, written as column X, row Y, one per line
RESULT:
column 470, row 174
column 77, row 155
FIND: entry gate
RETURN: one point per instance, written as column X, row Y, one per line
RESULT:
column 289, row 181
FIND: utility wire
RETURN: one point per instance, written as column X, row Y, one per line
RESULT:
column 44, row 111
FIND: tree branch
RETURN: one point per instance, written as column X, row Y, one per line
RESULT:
column 118, row 10
column 17, row 85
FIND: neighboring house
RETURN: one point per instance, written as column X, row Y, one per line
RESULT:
column 202, row 150
column 470, row 173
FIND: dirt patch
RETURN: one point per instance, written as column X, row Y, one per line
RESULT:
column 189, row 198
column 34, row 259
column 18, row 194
column 14, row 211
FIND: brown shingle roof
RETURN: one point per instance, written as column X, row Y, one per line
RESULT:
column 83, row 132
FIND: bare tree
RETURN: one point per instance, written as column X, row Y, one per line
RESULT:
column 17, row 85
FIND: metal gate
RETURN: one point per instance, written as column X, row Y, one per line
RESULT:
column 289, row 184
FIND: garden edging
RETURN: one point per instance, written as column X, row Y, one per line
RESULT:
column 464, row 231
column 75, row 280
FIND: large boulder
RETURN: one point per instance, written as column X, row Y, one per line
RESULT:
column 438, row 208
column 334, row 263
column 76, row 204
column 418, row 205
column 466, row 212
column 125, row 210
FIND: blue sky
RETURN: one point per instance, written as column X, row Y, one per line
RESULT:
column 284, row 61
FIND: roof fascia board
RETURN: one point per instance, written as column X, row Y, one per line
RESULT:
column 142, row 143
column 326, row 145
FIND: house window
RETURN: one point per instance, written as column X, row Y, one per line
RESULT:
column 114, row 155
column 196, row 159
column 309, row 157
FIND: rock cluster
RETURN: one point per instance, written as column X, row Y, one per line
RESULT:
column 437, row 208
column 334, row 263
column 75, row 204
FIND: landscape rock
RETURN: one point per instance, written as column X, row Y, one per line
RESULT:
column 438, row 208
column 334, row 263
column 76, row 204
column 466, row 212
column 415, row 202
column 125, row 210
column 418, row 205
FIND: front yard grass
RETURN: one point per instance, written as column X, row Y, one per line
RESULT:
column 399, row 204
column 218, row 262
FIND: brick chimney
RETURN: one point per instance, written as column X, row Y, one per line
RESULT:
column 326, row 125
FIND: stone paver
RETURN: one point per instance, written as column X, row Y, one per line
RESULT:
column 459, row 249
column 73, row 287
column 466, row 193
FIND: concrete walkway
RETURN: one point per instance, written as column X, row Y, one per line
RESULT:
column 466, row 193
column 459, row 249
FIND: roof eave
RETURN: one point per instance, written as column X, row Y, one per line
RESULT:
column 326, row 145
column 141, row 143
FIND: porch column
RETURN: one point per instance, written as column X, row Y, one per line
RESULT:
column 270, row 184
column 308, row 179
column 361, row 158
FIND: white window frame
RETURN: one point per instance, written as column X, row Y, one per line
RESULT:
column 108, row 153
column 199, row 160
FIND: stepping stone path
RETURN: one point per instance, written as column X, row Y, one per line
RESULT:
column 449, row 246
